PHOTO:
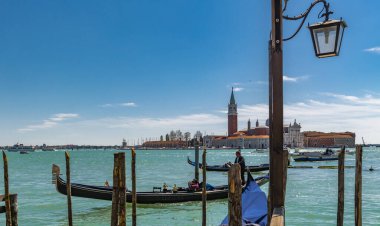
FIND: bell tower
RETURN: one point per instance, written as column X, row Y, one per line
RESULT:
column 232, row 115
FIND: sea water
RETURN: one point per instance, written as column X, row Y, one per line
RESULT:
column 311, row 195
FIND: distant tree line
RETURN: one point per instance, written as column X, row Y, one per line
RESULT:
column 178, row 135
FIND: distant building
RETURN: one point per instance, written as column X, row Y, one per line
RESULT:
column 232, row 115
column 320, row 139
column 293, row 137
column 124, row 144
column 252, row 137
column 165, row 144
column 257, row 137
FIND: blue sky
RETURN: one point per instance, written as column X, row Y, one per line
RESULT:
column 94, row 72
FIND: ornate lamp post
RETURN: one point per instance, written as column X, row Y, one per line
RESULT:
column 327, row 37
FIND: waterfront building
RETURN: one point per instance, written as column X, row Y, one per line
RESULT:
column 293, row 137
column 320, row 139
column 253, row 137
column 165, row 144
column 124, row 144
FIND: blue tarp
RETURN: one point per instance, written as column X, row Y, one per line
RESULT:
column 254, row 206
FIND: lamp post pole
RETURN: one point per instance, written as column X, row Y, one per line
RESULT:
column 277, row 174
column 277, row 155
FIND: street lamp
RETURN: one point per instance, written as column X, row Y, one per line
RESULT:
column 327, row 37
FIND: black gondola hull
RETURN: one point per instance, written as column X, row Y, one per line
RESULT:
column 222, row 168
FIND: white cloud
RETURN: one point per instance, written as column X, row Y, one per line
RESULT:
column 294, row 79
column 238, row 89
column 373, row 49
column 128, row 104
column 366, row 100
column 48, row 123
column 182, row 121
column 339, row 113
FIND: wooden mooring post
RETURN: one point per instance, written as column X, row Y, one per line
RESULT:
column 277, row 213
column 340, row 211
column 134, row 197
column 118, row 215
column 6, row 191
column 234, row 196
column 358, row 186
column 196, row 159
column 10, row 200
column 204, row 193
column 68, row 190
column 13, row 206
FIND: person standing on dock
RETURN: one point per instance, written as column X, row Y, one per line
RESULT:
column 240, row 159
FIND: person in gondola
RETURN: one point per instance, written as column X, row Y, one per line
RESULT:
column 106, row 184
column 165, row 188
column 175, row 189
column 228, row 164
column 193, row 185
column 240, row 159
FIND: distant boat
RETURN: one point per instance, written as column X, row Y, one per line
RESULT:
column 48, row 149
column 315, row 156
column 20, row 148
column 315, row 159
column 261, row 150
column 24, row 152
column 225, row 167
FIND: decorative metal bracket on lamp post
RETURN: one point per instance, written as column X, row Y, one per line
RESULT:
column 327, row 37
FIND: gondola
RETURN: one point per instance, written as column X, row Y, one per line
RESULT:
column 105, row 193
column 315, row 159
column 225, row 168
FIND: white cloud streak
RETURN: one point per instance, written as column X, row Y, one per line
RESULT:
column 373, row 49
column 183, row 121
column 126, row 104
column 238, row 89
column 49, row 123
column 337, row 112
column 294, row 79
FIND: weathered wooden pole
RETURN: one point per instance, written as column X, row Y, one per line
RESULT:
column 204, row 193
column 68, row 189
column 234, row 196
column 14, row 209
column 133, row 171
column 358, row 186
column 196, row 176
column 269, row 203
column 122, row 190
column 115, row 191
column 276, row 156
column 6, row 190
column 341, row 187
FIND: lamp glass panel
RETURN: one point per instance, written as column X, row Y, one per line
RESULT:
column 325, row 38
